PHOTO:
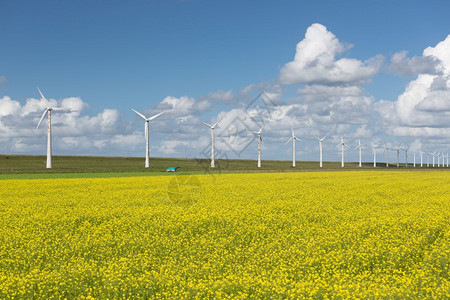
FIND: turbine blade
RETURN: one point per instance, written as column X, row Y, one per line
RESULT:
column 42, row 118
column 62, row 109
column 323, row 138
column 214, row 125
column 42, row 95
column 155, row 116
column 206, row 124
column 288, row 141
column 139, row 114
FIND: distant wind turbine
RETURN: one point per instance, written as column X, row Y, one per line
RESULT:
column 360, row 152
column 406, row 153
column 147, row 139
column 212, row 127
column 48, row 112
column 293, row 139
column 434, row 153
column 342, row 145
column 320, row 148
column 374, row 150
column 386, row 153
column 258, row 133
column 421, row 158
column 398, row 156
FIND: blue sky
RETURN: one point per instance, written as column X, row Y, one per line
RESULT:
column 116, row 55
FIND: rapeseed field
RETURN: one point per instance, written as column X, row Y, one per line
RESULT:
column 280, row 235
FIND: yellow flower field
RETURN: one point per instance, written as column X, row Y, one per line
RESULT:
column 281, row 235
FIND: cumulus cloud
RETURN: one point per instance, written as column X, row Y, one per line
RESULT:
column 423, row 109
column 73, row 132
column 316, row 61
column 226, row 97
column 404, row 66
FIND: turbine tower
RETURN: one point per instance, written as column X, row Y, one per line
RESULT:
column 147, row 139
column 414, row 161
column 212, row 140
column 48, row 110
column 406, row 153
column 360, row 152
column 342, row 145
column 374, row 150
column 398, row 156
column 320, row 148
column 293, row 139
column 259, row 144
column 386, row 152
column 421, row 157
column 434, row 153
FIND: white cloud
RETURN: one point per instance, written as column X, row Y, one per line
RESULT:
column 404, row 66
column 72, row 132
column 220, row 96
column 423, row 109
column 316, row 61
column 8, row 106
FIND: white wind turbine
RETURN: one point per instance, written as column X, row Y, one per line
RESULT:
column 342, row 145
column 421, row 157
column 212, row 127
column 447, row 159
column 414, row 160
column 398, row 156
column 48, row 110
column 386, row 153
column 293, row 139
column 434, row 154
column 147, row 139
column 259, row 144
column 374, row 150
column 320, row 148
column 428, row 159
column 406, row 153
column 360, row 152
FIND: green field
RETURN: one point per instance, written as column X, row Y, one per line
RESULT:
column 30, row 166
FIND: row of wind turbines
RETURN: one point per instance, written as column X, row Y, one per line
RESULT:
column 48, row 111
column 342, row 146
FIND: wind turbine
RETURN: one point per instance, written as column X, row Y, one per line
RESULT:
column 406, row 153
column 342, row 144
column 414, row 161
column 428, row 159
column 398, row 156
column 360, row 152
column 293, row 139
column 212, row 140
column 320, row 148
column 434, row 153
column 374, row 150
column 147, row 139
column 48, row 110
column 421, row 157
column 259, row 144
column 386, row 149
column 447, row 159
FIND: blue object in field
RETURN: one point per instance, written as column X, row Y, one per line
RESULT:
column 171, row 169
